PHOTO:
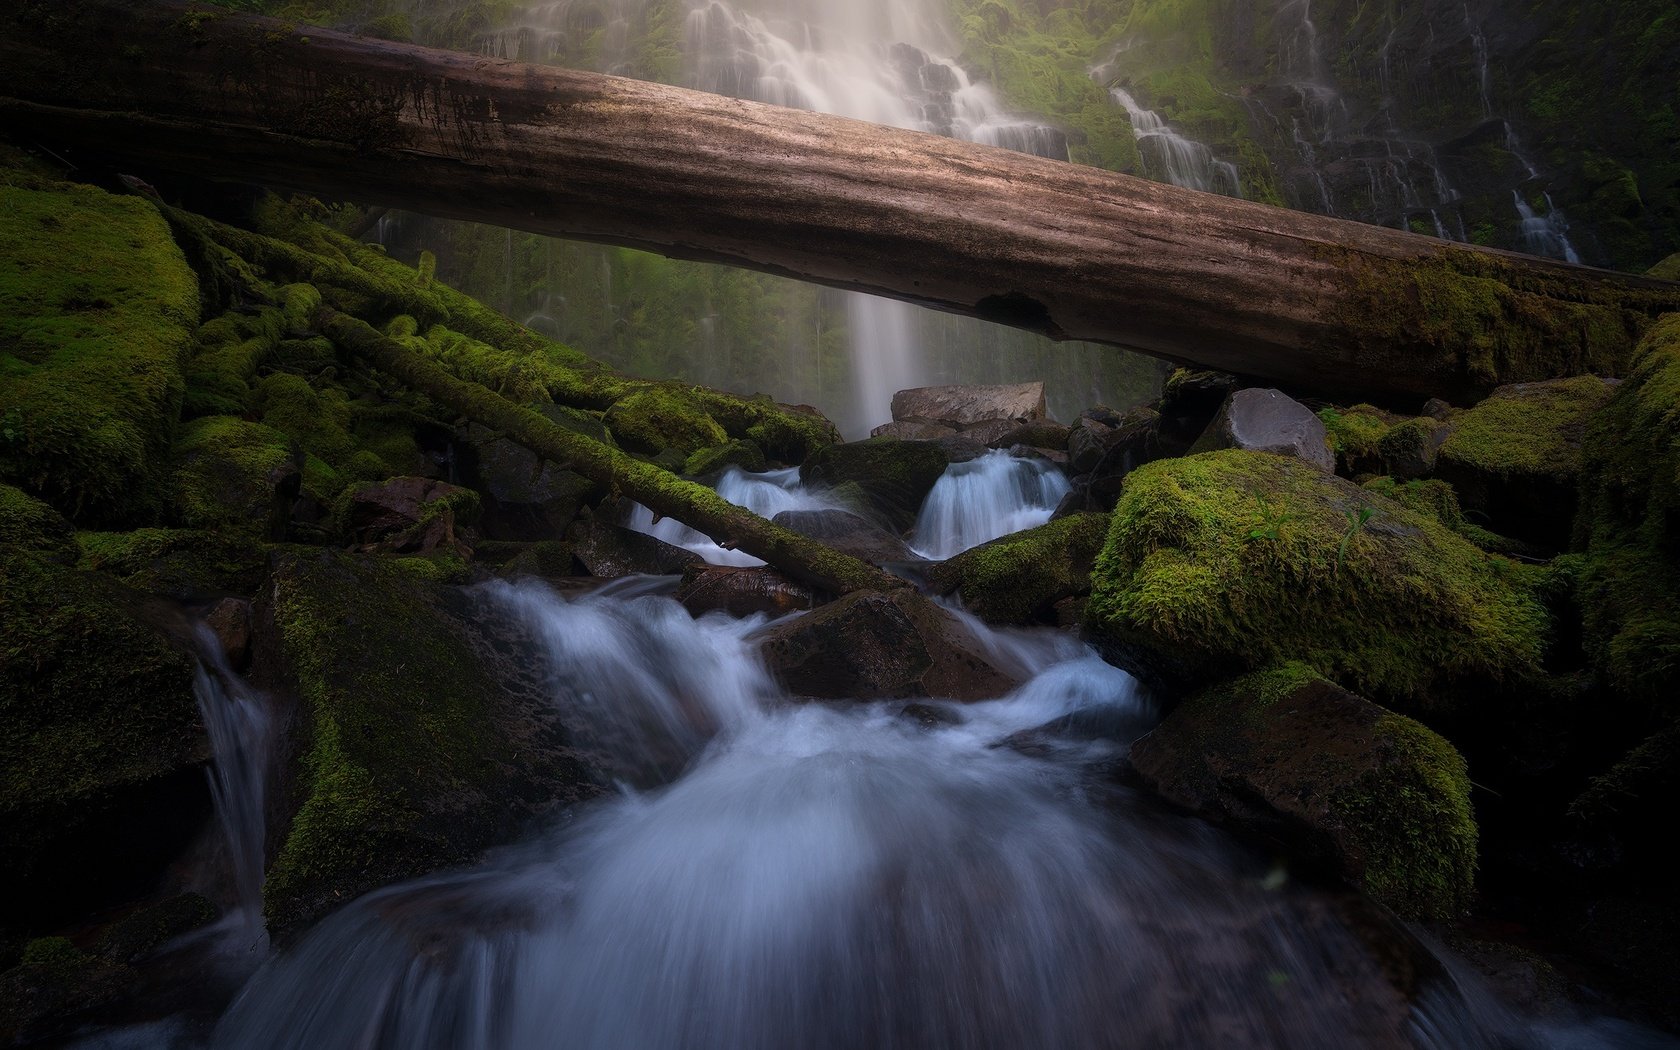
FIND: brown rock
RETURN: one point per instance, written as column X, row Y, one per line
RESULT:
column 963, row 406
column 848, row 533
column 742, row 591
column 610, row 551
column 230, row 620
column 875, row 645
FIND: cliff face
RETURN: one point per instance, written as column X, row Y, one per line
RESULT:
column 1546, row 126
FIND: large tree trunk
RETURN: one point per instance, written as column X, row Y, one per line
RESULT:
column 1073, row 252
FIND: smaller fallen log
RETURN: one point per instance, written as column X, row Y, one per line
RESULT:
column 696, row 506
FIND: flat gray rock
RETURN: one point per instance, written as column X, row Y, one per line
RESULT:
column 1265, row 420
column 962, row 406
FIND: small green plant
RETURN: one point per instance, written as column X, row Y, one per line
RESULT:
column 1357, row 520
column 1271, row 520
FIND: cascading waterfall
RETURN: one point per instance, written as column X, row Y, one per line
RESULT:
column 240, row 727
column 991, row 496
column 766, row 494
column 841, row 876
column 1174, row 158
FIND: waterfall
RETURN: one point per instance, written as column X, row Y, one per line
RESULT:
column 1171, row 157
column 833, row 876
column 985, row 498
column 766, row 494
column 240, row 727
column 1546, row 234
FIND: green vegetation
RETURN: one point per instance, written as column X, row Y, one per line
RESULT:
column 27, row 523
column 1413, row 615
column 1530, row 431
column 97, row 309
column 182, row 563
column 1018, row 579
column 1387, row 798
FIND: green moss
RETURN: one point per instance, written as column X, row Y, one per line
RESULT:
column 94, row 702
column 893, row 476
column 708, row 461
column 1528, row 431
column 1404, row 610
column 1355, row 434
column 1667, row 270
column 405, row 764
column 53, row 953
column 656, row 419
column 240, row 476
column 1020, row 578
column 28, row 523
column 182, row 563
column 97, row 309
column 1385, row 797
column 1629, row 527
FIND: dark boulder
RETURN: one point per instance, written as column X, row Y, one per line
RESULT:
column 408, row 515
column 1379, row 797
column 742, row 591
column 892, row 477
column 1269, row 421
column 611, row 551
column 874, row 645
column 848, row 533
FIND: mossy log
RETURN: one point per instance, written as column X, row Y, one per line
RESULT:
column 1070, row 251
column 665, row 494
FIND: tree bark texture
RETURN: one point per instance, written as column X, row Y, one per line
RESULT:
column 1070, row 251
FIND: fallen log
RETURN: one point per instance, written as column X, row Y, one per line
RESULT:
column 806, row 560
column 1073, row 252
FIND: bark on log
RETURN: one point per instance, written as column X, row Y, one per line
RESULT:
column 696, row 506
column 1069, row 251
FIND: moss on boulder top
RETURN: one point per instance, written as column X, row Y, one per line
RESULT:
column 1629, row 526
column 242, row 476
column 663, row 419
column 892, row 477
column 1019, row 578
column 1381, row 797
column 1237, row 560
column 411, row 757
column 1516, row 457
column 97, row 312
column 28, row 523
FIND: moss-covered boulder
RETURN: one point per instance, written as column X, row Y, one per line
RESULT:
column 1235, row 560
column 1516, row 457
column 1378, row 796
column 660, row 419
column 892, row 477
column 1019, row 578
column 710, row 462
column 181, row 563
column 100, row 742
column 413, row 752
column 1629, row 526
column 28, row 523
column 235, row 475
column 97, row 311
column 1355, row 435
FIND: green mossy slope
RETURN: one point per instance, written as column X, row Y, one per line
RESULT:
column 1018, row 579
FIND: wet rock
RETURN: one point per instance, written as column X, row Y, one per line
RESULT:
column 1268, row 421
column 549, row 559
column 848, row 533
column 55, row 989
column 408, row 515
column 875, row 645
column 742, row 591
column 1088, row 441
column 1018, row 579
column 892, row 477
column 1516, row 457
column 230, row 620
column 1410, row 449
column 421, row 735
column 913, row 430
column 1038, row 433
column 610, row 551
column 142, row 932
column 1379, row 796
column 530, row 498
column 1138, row 438
column 988, row 431
column 963, row 406
column 1437, row 409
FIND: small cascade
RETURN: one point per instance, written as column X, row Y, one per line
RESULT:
column 985, row 498
column 1172, row 157
column 766, row 494
column 1546, row 234
column 241, row 729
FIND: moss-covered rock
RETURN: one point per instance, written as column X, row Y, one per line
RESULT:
column 1411, row 447
column 712, row 461
column 1020, row 578
column 53, row 990
column 1355, row 435
column 1629, row 526
column 99, row 739
column 412, row 754
column 180, row 563
column 653, row 420
column 1379, row 796
column 97, row 312
column 893, row 477
column 28, row 523
column 1516, row 457
column 1236, row 560
column 239, row 476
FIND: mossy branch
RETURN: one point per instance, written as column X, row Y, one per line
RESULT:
column 694, row 505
